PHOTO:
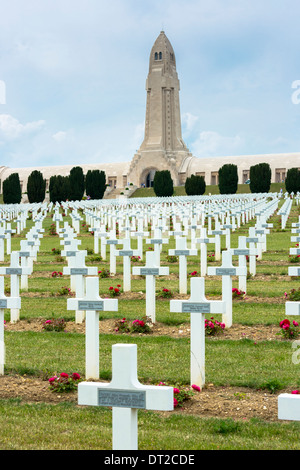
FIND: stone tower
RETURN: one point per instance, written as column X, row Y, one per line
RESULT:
column 163, row 147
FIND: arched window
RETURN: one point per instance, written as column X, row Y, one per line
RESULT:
column 155, row 56
column 160, row 56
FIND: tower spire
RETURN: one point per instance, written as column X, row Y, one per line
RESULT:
column 163, row 146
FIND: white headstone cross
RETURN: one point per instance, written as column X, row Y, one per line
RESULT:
column 151, row 270
column 5, row 302
column 78, row 271
column 204, row 241
column 2, row 238
column 218, row 232
column 92, row 304
column 126, row 395
column 288, row 403
column 15, row 271
column 242, row 252
column 227, row 270
column 198, row 306
column 126, row 253
column 182, row 251
column 252, row 240
column 112, row 241
column 157, row 241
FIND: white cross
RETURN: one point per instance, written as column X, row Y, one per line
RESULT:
column 100, row 233
column 242, row 251
column 125, row 394
column 77, row 271
column 217, row 232
column 182, row 251
column 198, row 306
column 5, row 302
column 227, row 270
column 150, row 271
column 157, row 241
column 2, row 238
column 126, row 253
column 252, row 240
column 204, row 241
column 14, row 271
column 92, row 304
column 8, row 232
column 112, row 241
column 227, row 226
column 140, row 234
column 289, row 404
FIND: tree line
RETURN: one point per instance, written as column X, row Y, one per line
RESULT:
column 61, row 188
column 259, row 181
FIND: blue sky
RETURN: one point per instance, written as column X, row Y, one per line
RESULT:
column 73, row 74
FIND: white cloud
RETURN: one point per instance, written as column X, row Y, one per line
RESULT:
column 12, row 129
column 2, row 92
column 188, row 122
column 59, row 136
column 212, row 144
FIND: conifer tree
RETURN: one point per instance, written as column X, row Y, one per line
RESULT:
column 163, row 183
column 36, row 187
column 12, row 193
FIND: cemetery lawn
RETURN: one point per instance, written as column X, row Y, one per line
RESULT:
column 247, row 367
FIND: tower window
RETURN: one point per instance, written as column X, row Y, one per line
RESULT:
column 156, row 56
column 160, row 56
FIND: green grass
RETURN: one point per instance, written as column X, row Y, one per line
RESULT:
column 237, row 363
column 210, row 189
column 65, row 426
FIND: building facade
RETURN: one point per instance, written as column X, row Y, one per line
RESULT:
column 163, row 147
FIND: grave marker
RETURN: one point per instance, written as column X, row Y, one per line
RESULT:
column 150, row 271
column 14, row 271
column 125, row 394
column 227, row 270
column 126, row 253
column 92, row 304
column 182, row 251
column 198, row 306
column 5, row 302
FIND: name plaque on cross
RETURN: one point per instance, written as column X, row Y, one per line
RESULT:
column 67, row 242
column 149, row 271
column 81, row 271
column 30, row 243
column 122, row 398
column 217, row 232
column 3, row 303
column 181, row 252
column 112, row 242
column 252, row 240
column 70, row 253
column 241, row 252
column 156, row 241
column 188, row 307
column 125, row 253
column 24, row 254
column 90, row 305
column 225, row 271
column 17, row 271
